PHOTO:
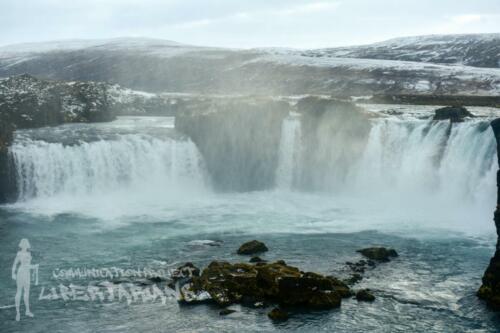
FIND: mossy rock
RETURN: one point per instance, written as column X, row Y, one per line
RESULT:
column 378, row 253
column 256, row 259
column 365, row 295
column 252, row 247
column 272, row 282
column 277, row 314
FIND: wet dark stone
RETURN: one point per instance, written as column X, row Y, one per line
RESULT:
column 277, row 314
column 365, row 295
column 378, row 253
column 254, row 285
column 455, row 114
column 225, row 312
column 355, row 278
column 256, row 259
column 252, row 247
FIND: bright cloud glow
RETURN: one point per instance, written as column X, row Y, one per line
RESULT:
column 244, row 23
column 464, row 19
column 310, row 8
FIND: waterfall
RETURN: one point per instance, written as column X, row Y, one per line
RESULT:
column 428, row 158
column 410, row 159
column 289, row 152
column 131, row 162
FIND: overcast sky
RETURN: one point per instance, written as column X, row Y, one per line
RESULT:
column 244, row 23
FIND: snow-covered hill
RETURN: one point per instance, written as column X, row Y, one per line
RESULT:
column 158, row 66
column 479, row 50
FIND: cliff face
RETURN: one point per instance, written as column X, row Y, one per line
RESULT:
column 27, row 102
column 239, row 141
column 242, row 140
column 334, row 136
column 7, row 187
column 490, row 289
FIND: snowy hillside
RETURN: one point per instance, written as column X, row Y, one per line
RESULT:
column 479, row 50
column 163, row 66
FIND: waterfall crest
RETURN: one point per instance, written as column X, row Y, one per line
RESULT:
column 411, row 158
column 426, row 157
column 132, row 162
column 395, row 158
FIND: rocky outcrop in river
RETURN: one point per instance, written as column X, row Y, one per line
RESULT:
column 264, row 285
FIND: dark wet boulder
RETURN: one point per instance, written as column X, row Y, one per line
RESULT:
column 228, row 283
column 311, row 290
column 365, row 295
column 340, row 287
column 256, row 259
column 252, row 247
column 378, row 253
column 361, row 265
column 277, row 314
column 276, row 282
column 453, row 113
column 353, row 279
column 225, row 312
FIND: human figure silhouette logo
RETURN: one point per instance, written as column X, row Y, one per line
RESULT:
column 23, row 276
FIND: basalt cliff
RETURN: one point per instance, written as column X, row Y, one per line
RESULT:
column 490, row 289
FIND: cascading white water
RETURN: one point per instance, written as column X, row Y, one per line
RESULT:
column 414, row 159
column 289, row 152
column 425, row 157
column 148, row 169
column 132, row 162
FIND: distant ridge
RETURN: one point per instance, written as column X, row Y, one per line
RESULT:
column 452, row 65
column 79, row 44
column 478, row 50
